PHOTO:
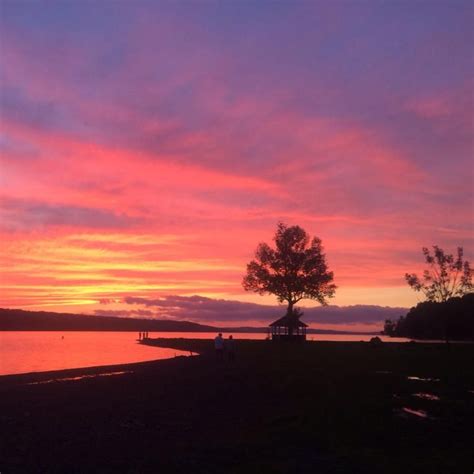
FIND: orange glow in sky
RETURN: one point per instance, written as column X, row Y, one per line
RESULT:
column 131, row 170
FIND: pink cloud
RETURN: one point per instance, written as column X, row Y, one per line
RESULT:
column 182, row 145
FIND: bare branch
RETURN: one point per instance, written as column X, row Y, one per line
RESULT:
column 441, row 280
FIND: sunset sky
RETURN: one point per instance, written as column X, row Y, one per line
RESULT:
column 148, row 147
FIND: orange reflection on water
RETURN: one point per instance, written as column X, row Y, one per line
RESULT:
column 41, row 351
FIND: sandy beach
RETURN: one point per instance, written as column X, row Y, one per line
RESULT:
column 319, row 407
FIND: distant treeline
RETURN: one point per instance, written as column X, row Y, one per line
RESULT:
column 453, row 319
column 19, row 320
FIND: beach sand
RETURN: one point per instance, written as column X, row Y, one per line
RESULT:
column 319, row 407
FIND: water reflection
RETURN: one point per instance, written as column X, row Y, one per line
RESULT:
column 29, row 351
column 427, row 396
column 80, row 377
column 411, row 411
column 422, row 379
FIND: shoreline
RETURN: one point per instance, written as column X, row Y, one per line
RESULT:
column 30, row 377
column 179, row 344
column 193, row 346
column 340, row 407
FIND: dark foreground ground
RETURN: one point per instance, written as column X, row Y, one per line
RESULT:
column 322, row 407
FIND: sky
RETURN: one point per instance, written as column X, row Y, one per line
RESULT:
column 148, row 147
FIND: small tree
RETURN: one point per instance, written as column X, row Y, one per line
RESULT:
column 389, row 328
column 447, row 276
column 296, row 269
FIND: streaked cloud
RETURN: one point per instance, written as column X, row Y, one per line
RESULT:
column 138, row 161
column 24, row 215
column 199, row 308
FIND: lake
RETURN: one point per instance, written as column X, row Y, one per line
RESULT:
column 40, row 351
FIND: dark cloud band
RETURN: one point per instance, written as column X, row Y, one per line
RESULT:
column 208, row 309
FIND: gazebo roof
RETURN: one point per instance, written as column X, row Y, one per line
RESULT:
column 289, row 321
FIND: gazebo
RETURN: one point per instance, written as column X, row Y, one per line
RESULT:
column 288, row 328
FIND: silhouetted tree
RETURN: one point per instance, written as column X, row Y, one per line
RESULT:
column 446, row 277
column 452, row 319
column 389, row 327
column 296, row 269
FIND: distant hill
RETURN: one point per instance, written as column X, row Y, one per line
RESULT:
column 19, row 320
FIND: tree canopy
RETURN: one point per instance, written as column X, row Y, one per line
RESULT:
column 447, row 276
column 452, row 319
column 295, row 269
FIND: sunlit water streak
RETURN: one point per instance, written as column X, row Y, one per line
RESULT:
column 421, row 379
column 80, row 377
column 419, row 413
column 427, row 396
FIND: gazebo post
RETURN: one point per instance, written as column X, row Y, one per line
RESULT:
column 288, row 328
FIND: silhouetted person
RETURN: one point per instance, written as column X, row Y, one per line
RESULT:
column 219, row 346
column 230, row 348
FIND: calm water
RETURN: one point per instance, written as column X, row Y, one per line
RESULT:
column 39, row 351
column 25, row 351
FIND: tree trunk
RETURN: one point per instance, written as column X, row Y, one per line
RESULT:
column 290, row 315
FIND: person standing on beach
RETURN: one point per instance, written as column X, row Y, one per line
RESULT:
column 230, row 347
column 219, row 346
